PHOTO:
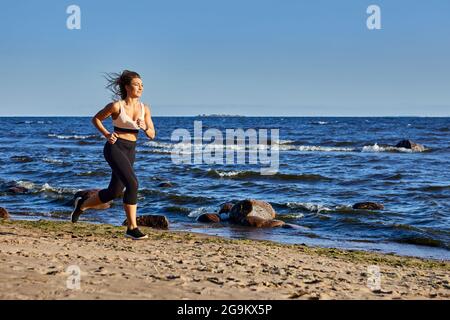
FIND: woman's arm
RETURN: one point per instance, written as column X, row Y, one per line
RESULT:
column 102, row 115
column 148, row 127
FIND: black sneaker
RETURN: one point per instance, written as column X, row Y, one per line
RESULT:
column 135, row 234
column 77, row 209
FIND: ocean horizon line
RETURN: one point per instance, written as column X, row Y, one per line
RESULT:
column 235, row 116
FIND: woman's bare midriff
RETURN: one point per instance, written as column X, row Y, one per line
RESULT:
column 127, row 136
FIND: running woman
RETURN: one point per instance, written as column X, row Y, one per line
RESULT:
column 129, row 115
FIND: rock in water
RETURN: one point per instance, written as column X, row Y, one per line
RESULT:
column 226, row 207
column 408, row 144
column 13, row 187
column 17, row 190
column 257, row 222
column 21, row 159
column 152, row 221
column 252, row 208
column 368, row 206
column 4, row 213
column 208, row 217
column 254, row 213
column 165, row 185
column 85, row 194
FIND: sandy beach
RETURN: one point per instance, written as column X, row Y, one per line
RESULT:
column 176, row 265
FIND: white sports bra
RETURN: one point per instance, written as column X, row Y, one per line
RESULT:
column 124, row 123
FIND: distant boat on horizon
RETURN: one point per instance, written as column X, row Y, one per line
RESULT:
column 216, row 115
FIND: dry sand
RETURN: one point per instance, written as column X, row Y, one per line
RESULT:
column 175, row 265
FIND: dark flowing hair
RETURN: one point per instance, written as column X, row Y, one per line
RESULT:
column 117, row 82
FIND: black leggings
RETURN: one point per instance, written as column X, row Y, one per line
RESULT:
column 120, row 157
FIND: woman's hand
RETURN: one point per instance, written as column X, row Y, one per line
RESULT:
column 141, row 124
column 112, row 138
column 147, row 124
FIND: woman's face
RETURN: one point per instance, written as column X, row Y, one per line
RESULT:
column 135, row 88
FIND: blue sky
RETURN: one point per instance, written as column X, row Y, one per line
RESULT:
column 297, row 58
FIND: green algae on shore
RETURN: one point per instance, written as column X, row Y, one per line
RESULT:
column 62, row 228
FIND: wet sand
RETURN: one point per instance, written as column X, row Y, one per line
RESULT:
column 35, row 257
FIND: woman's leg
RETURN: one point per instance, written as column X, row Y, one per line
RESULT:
column 130, row 210
column 114, row 190
column 121, row 161
column 131, row 197
column 91, row 202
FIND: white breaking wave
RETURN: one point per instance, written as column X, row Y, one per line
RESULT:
column 312, row 207
column 25, row 184
column 189, row 148
column 282, row 145
column 47, row 187
column 50, row 160
column 316, row 148
column 285, row 141
column 318, row 207
column 76, row 137
column 296, row 215
column 160, row 145
column 226, row 173
column 377, row 148
column 199, row 211
column 39, row 121
column 324, row 149
column 157, row 144
column 168, row 148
